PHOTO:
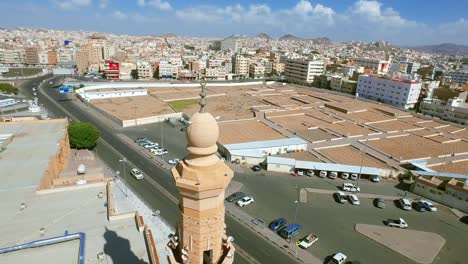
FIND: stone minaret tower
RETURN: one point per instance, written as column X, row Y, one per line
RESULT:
column 202, row 179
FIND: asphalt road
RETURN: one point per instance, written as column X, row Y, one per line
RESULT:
column 158, row 189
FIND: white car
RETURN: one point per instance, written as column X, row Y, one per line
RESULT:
column 344, row 176
column 353, row 177
column 338, row 258
column 429, row 206
column 400, row 223
column 323, row 174
column 136, row 173
column 350, row 187
column 308, row 241
column 150, row 145
column 173, row 161
column 333, row 175
column 374, row 178
column 405, row 204
column 246, row 200
column 353, row 199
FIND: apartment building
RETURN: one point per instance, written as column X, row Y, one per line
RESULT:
column 455, row 110
column 31, row 55
column 399, row 91
column 279, row 67
column 230, row 43
column 52, row 57
column 145, row 71
column 167, row 70
column 343, row 84
column 11, row 56
column 457, row 77
column 82, row 61
column 381, row 66
column 112, row 70
column 256, row 71
column 303, row 71
column 218, row 73
column 240, row 65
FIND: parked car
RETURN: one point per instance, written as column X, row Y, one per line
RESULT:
column 323, row 174
column 333, row 175
column 353, row 177
column 246, row 200
column 353, row 199
column 308, row 241
column 140, row 139
column 310, row 173
column 419, row 206
column 379, row 203
column 136, row 173
column 340, row 197
column 338, row 258
column 374, row 178
column 277, row 224
column 350, row 187
column 344, row 176
column 429, row 206
column 400, row 223
column 81, row 169
column 173, row 161
column 235, row 196
column 256, row 168
column 145, row 142
column 290, row 231
column 405, row 204
column 150, row 145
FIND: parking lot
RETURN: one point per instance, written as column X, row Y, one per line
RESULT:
column 334, row 223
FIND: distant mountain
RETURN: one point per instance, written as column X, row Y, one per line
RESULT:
column 290, row 37
column 444, row 48
column 264, row 36
column 168, row 35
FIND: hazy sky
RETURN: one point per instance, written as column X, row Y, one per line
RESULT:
column 404, row 22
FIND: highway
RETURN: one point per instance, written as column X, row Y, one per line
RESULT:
column 157, row 189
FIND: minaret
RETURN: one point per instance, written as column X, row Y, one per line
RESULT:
column 202, row 179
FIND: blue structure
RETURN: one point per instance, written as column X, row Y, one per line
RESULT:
column 66, row 89
column 66, row 42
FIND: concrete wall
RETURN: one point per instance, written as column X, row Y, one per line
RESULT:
column 149, row 120
column 248, row 160
column 279, row 168
column 448, row 197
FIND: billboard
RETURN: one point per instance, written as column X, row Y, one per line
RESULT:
column 113, row 66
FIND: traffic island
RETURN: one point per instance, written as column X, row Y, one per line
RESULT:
column 421, row 247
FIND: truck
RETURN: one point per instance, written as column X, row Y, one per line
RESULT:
column 400, row 223
column 307, row 241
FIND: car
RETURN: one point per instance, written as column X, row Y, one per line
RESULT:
column 307, row 241
column 150, row 145
column 340, row 197
column 136, row 173
column 277, row 224
column 379, row 203
column 374, row 178
column 344, row 176
column 162, row 152
column 400, row 223
column 353, row 199
column 310, row 173
column 333, row 175
column 173, row 161
column 235, row 196
column 290, row 231
column 338, row 258
column 405, row 204
column 350, row 187
column 145, row 142
column 323, row 174
column 419, row 206
column 464, row 219
column 353, row 177
column 140, row 139
column 246, row 200
column 256, row 168
column 429, row 206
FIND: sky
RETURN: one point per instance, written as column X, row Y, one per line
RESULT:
column 402, row 22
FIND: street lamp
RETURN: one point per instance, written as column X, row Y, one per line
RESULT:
column 124, row 163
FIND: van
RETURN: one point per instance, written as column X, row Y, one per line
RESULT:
column 405, row 204
column 290, row 231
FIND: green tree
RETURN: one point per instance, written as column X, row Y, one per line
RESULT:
column 156, row 74
column 8, row 88
column 134, row 74
column 82, row 135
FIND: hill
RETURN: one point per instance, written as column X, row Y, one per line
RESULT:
column 264, row 36
column 444, row 48
column 290, row 37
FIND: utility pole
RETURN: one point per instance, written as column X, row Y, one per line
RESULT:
column 124, row 163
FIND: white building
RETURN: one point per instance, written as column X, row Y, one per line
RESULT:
column 396, row 91
column 145, row 71
column 167, row 70
column 381, row 66
column 212, row 63
column 218, row 73
column 240, row 65
column 303, row 71
column 43, row 57
column 8, row 56
column 455, row 110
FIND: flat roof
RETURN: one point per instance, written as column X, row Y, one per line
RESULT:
column 266, row 144
column 33, row 144
column 310, row 165
column 246, row 131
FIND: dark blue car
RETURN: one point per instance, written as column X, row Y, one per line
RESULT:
column 290, row 231
column 278, row 224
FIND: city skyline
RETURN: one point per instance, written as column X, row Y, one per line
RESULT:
column 398, row 22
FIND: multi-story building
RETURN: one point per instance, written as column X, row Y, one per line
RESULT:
column 381, row 66
column 343, row 84
column 279, row 67
column 218, row 73
column 11, row 56
column 212, row 63
column 412, row 67
column 230, row 43
column 399, row 91
column 457, row 77
column 145, row 71
column 268, row 66
column 455, row 110
column 82, row 61
column 303, row 71
column 167, row 70
column 240, row 65
column 43, row 56
column 31, row 55
column 52, row 58
column 256, row 71
column 112, row 70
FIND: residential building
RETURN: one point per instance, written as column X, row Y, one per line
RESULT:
column 218, row 73
column 43, row 57
column 455, row 110
column 240, row 65
column 167, row 70
column 186, row 75
column 230, row 44
column 256, row 71
column 212, row 63
column 457, row 77
column 399, row 91
column 52, row 58
column 303, row 71
column 268, row 66
column 381, row 66
column 82, row 61
column 31, row 55
column 11, row 56
column 412, row 67
column 343, row 84
column 112, row 70
column 279, row 67
column 145, row 71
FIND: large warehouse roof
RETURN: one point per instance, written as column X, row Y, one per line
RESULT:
column 266, row 144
